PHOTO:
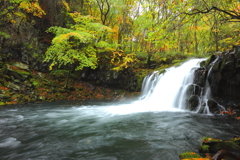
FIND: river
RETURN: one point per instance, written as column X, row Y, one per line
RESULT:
column 146, row 129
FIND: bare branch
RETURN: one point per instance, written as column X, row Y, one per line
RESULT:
column 232, row 14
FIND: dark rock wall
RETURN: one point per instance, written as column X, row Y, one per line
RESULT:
column 124, row 79
column 223, row 72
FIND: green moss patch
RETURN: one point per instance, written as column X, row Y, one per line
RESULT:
column 187, row 155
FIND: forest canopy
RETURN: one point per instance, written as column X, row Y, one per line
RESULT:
column 121, row 32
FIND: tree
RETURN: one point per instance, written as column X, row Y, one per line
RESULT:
column 78, row 43
column 12, row 9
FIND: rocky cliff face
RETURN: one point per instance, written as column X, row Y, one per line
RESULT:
column 220, row 74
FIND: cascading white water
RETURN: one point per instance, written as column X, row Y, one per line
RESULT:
column 206, row 93
column 169, row 91
column 162, row 92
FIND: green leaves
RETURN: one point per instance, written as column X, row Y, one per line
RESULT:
column 77, row 44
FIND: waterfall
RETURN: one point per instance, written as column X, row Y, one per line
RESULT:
column 168, row 90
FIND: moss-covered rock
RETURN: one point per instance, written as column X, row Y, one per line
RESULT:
column 17, row 73
column 13, row 86
column 188, row 155
column 20, row 65
column 211, row 145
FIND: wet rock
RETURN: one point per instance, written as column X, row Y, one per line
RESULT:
column 199, row 77
column 202, row 64
column 193, row 102
column 193, row 89
column 209, row 61
column 228, row 66
column 213, row 106
column 223, row 78
column 216, row 66
column 215, row 89
column 125, row 79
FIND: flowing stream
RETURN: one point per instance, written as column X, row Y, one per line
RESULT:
column 156, row 126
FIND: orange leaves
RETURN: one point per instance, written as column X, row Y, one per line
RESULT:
column 229, row 112
column 3, row 88
column 194, row 27
column 191, row 156
column 9, row 103
column 238, row 118
column 208, row 139
column 237, row 9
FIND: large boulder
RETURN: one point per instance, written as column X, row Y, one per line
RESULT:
column 193, row 102
column 213, row 106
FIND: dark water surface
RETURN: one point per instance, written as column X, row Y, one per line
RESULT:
column 101, row 131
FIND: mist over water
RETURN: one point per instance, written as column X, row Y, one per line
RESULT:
column 156, row 126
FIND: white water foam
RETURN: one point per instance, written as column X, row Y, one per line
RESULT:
column 10, row 142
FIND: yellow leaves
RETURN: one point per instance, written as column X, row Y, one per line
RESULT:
column 12, row 21
column 201, row 28
column 33, row 8
column 50, row 67
column 66, row 6
column 121, row 60
column 216, row 30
